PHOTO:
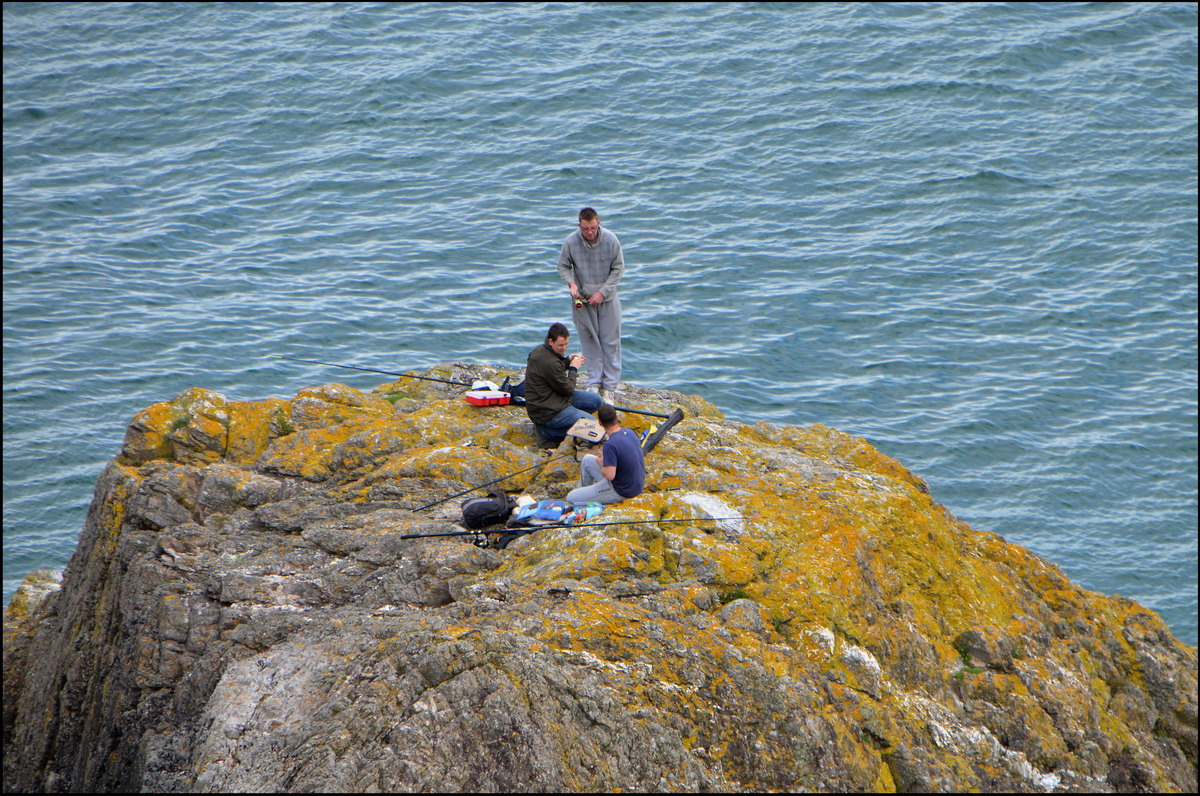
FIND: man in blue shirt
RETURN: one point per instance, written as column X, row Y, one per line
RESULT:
column 619, row 472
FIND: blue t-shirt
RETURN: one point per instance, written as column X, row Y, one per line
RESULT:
column 624, row 450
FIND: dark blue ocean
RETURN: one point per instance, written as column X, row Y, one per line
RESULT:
column 965, row 232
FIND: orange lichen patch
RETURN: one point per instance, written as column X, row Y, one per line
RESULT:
column 703, row 678
column 453, row 421
column 306, row 454
column 147, row 437
column 109, row 522
column 441, row 463
column 198, row 431
column 252, row 426
column 638, row 423
column 32, row 590
column 591, row 554
column 370, row 443
column 330, row 404
column 191, row 428
column 613, row 631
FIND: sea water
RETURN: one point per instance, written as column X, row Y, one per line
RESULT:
column 965, row 232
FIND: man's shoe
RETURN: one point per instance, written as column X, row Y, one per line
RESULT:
column 608, row 396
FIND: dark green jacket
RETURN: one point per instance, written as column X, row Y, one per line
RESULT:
column 549, row 384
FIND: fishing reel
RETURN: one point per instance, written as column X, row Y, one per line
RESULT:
column 580, row 303
column 500, row 540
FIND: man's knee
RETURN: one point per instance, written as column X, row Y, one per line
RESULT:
column 586, row 401
column 589, row 470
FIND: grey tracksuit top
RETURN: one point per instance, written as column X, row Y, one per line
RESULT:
column 594, row 268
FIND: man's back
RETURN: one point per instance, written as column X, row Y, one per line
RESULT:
column 624, row 451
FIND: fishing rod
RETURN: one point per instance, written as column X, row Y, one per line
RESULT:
column 647, row 446
column 489, row 483
column 651, row 414
column 371, row 370
column 531, row 528
column 448, row 381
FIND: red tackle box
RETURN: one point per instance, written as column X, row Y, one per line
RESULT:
column 488, row 398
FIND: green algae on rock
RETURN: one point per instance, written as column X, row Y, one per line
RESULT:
column 241, row 614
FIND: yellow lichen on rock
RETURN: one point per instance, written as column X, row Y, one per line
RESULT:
column 783, row 609
column 252, row 426
column 33, row 589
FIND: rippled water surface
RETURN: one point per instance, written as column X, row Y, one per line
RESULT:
column 965, row 232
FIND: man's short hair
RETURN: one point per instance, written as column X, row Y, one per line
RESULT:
column 588, row 214
column 557, row 330
column 607, row 415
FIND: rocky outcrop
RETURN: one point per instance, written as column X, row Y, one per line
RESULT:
column 242, row 614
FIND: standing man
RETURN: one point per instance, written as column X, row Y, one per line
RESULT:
column 551, row 400
column 619, row 472
column 591, row 264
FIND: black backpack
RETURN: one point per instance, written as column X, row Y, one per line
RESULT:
column 516, row 392
column 484, row 511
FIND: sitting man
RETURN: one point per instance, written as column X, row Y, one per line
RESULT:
column 551, row 400
column 620, row 470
